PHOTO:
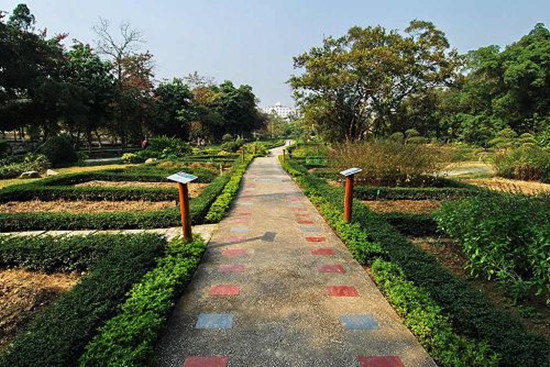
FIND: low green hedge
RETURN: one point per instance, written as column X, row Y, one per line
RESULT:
column 56, row 253
column 417, row 225
column 411, row 193
column 58, row 335
column 223, row 202
column 481, row 332
column 198, row 206
column 128, row 339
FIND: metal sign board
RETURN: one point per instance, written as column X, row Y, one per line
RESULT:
column 182, row 177
column 351, row 171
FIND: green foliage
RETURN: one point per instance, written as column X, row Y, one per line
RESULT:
column 223, row 202
column 31, row 162
column 528, row 162
column 411, row 193
column 57, row 253
column 386, row 163
column 227, row 138
column 131, row 158
column 397, row 137
column 128, row 339
column 166, row 147
column 417, row 225
column 232, row 146
column 483, row 332
column 505, row 237
column 58, row 336
column 59, row 150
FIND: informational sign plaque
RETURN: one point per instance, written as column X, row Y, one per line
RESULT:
column 351, row 171
column 182, row 177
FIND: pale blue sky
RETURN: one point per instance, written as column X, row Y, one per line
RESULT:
column 253, row 41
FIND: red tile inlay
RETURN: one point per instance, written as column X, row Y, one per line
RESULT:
column 237, row 268
column 225, row 290
column 242, row 214
column 315, row 239
column 236, row 239
column 216, row 361
column 380, row 361
column 234, row 252
column 342, row 291
column 322, row 251
column 240, row 221
column 306, row 222
column 331, row 268
column 299, row 209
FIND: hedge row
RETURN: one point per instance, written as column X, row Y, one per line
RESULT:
column 199, row 207
column 56, row 253
column 58, row 336
column 128, row 339
column 410, row 193
column 223, row 202
column 417, row 225
column 479, row 328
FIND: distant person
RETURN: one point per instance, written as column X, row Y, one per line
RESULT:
column 145, row 143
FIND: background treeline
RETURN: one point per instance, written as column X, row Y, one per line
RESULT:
column 107, row 92
column 374, row 82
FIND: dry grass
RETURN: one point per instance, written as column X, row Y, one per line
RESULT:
column 404, row 206
column 506, row 185
column 23, row 293
column 76, row 207
column 194, row 188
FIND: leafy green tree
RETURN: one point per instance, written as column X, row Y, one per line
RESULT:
column 171, row 112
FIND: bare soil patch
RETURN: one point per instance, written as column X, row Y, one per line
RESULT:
column 23, row 294
column 502, row 184
column 449, row 255
column 194, row 188
column 77, row 207
column 403, row 206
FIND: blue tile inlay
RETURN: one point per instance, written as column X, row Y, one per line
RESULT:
column 214, row 321
column 239, row 229
column 359, row 322
column 310, row 229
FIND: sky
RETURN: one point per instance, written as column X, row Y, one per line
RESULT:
column 253, row 41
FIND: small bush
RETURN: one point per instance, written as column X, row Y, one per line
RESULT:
column 528, row 162
column 60, row 151
column 232, row 146
column 227, row 138
column 386, row 163
column 31, row 162
column 397, row 137
column 131, row 158
column 169, row 147
column 505, row 237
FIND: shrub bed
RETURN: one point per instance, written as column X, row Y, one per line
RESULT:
column 128, row 339
column 412, row 224
column 505, row 237
column 58, row 336
column 410, row 193
column 480, row 332
column 223, row 202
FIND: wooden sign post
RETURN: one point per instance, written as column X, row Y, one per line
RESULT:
column 284, row 155
column 348, row 198
column 183, row 179
column 244, row 151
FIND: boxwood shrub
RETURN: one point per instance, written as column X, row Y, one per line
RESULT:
column 484, row 333
column 128, row 339
column 58, row 335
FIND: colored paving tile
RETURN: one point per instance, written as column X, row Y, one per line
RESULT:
column 342, row 291
column 380, row 361
column 225, row 290
column 306, row 222
column 217, row 321
column 234, row 252
column 215, row 361
column 237, row 268
column 236, row 239
column 315, row 239
column 299, row 209
column 359, row 322
column 331, row 268
column 239, row 229
column 238, row 221
column 310, row 229
column 322, row 251
column 242, row 214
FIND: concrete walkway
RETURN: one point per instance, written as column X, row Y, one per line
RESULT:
column 278, row 288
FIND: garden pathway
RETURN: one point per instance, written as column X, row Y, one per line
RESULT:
column 278, row 288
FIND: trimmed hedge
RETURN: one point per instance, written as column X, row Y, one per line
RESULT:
column 128, row 339
column 411, row 193
column 58, row 336
column 480, row 328
column 223, row 202
column 56, row 253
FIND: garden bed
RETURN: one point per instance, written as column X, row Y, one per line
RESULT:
column 84, row 206
column 403, row 206
column 24, row 293
column 194, row 188
column 507, row 185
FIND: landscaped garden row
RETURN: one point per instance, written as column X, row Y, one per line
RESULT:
column 199, row 206
column 58, row 335
column 457, row 324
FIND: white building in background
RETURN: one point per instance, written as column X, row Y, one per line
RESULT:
column 280, row 110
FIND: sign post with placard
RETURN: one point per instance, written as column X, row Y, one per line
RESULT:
column 183, row 179
column 348, row 199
